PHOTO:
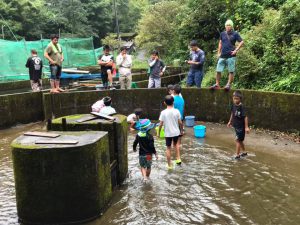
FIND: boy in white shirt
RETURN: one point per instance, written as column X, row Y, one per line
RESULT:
column 107, row 109
column 171, row 120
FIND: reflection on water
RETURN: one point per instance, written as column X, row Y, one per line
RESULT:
column 209, row 188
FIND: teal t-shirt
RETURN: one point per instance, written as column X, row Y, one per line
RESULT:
column 179, row 104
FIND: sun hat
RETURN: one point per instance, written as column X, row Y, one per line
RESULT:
column 145, row 125
column 229, row 23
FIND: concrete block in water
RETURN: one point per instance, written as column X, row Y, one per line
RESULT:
column 117, row 134
column 57, row 184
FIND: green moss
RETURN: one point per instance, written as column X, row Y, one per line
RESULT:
column 22, row 146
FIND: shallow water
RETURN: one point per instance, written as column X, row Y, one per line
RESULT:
column 209, row 188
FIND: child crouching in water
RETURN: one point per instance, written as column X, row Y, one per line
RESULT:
column 239, row 120
column 134, row 118
column 146, row 147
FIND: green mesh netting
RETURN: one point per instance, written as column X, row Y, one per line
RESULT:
column 77, row 52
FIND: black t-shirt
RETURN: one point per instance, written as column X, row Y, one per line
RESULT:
column 35, row 65
column 238, row 116
column 228, row 43
column 146, row 144
column 106, row 58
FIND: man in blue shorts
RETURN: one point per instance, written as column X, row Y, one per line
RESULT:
column 227, row 54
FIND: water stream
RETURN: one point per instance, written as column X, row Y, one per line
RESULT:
column 209, row 188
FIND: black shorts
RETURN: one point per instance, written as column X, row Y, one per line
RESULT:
column 104, row 77
column 55, row 72
column 240, row 134
column 169, row 140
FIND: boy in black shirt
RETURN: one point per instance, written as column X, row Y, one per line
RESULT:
column 146, row 143
column 239, row 120
column 35, row 65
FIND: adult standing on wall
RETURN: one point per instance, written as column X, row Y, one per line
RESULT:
column 35, row 66
column 227, row 54
column 124, row 62
column 157, row 69
column 196, row 62
column 54, row 54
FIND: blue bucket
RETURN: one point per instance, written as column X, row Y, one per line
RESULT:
column 199, row 131
column 190, row 121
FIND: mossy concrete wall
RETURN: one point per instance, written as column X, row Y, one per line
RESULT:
column 58, row 184
column 117, row 134
column 20, row 108
column 14, row 85
column 277, row 111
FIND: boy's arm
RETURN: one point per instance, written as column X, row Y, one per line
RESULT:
column 180, row 126
column 161, row 123
column 135, row 143
column 219, row 48
column 152, row 147
column 247, row 129
column 27, row 63
column 229, row 124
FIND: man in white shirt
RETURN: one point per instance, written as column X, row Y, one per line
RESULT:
column 171, row 119
column 124, row 62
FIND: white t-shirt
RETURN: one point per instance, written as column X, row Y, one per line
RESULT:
column 107, row 110
column 97, row 106
column 131, row 117
column 170, row 118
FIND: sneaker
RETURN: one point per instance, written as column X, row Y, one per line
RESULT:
column 169, row 167
column 215, row 87
column 237, row 157
column 112, row 88
column 244, row 154
column 178, row 161
column 227, row 87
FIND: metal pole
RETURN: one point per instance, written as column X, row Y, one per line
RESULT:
column 117, row 21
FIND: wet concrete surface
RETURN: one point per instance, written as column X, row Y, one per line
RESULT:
column 209, row 188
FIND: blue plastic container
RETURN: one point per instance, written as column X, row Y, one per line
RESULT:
column 199, row 131
column 190, row 121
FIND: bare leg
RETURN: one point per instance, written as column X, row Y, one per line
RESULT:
column 230, row 78
column 242, row 146
column 218, row 78
column 144, row 173
column 177, row 147
column 57, row 82
column 110, row 78
column 148, row 173
column 238, row 147
column 53, row 86
column 168, row 154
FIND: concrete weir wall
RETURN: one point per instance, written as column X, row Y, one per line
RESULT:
column 20, row 108
column 277, row 111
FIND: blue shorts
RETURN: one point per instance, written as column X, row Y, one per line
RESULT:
column 229, row 62
column 145, row 161
column 240, row 134
column 194, row 77
column 55, row 72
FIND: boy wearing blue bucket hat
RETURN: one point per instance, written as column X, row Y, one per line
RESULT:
column 239, row 120
column 146, row 147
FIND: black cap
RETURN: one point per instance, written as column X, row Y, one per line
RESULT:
column 194, row 43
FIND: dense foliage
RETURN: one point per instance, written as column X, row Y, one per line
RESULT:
column 270, row 59
column 31, row 19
